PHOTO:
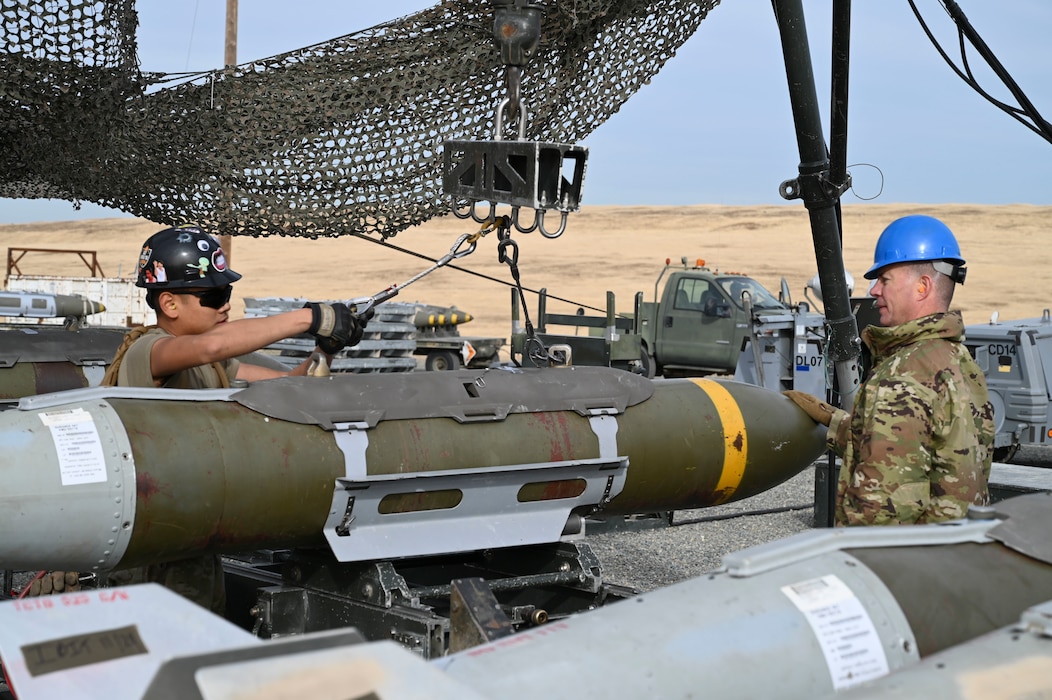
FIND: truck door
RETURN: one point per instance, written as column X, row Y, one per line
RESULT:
column 694, row 327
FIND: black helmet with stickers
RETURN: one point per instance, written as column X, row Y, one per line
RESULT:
column 183, row 257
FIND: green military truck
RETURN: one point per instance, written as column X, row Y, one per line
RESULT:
column 700, row 322
column 1016, row 358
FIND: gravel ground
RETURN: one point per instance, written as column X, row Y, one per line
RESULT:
column 646, row 559
column 660, row 556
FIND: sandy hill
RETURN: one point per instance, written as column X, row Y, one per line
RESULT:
column 621, row 249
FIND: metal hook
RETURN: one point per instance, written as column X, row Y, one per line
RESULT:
column 498, row 125
column 550, row 234
column 536, row 352
column 467, row 212
column 483, row 219
column 518, row 226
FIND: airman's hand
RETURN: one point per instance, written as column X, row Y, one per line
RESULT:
column 334, row 326
column 818, row 410
column 53, row 582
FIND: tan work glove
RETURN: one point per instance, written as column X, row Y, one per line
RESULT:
column 819, row 410
column 55, row 582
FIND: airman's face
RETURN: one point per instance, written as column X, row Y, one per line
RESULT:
column 895, row 291
column 198, row 310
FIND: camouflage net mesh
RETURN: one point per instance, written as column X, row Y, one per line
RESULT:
column 344, row 137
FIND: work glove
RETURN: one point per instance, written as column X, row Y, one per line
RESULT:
column 55, row 582
column 334, row 326
column 362, row 320
column 817, row 409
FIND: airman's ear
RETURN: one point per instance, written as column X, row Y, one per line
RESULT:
column 925, row 286
column 166, row 305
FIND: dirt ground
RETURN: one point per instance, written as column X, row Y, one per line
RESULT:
column 620, row 249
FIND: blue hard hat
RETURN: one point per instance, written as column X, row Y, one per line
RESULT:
column 915, row 238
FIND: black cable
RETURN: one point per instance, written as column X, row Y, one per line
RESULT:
column 470, row 272
column 742, row 514
column 967, row 33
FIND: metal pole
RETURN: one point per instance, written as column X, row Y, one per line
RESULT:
column 821, row 196
column 840, row 60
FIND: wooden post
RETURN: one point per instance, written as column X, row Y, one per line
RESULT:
column 229, row 61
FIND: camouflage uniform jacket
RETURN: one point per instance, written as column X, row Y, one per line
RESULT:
column 918, row 443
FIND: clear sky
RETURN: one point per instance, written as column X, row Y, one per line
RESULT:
column 715, row 126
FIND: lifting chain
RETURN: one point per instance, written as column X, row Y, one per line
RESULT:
column 508, row 252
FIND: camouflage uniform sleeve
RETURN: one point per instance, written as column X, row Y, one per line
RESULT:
column 958, row 474
column 839, row 432
column 889, row 483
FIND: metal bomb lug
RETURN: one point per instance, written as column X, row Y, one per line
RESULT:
column 377, row 466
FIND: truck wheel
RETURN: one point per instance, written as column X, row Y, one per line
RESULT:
column 441, row 360
column 647, row 365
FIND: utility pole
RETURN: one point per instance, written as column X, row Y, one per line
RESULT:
column 229, row 61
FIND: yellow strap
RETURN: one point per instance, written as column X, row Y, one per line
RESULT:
column 224, row 381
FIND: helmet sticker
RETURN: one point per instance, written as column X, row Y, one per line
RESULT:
column 219, row 260
column 154, row 273
column 184, row 237
column 201, row 266
column 204, row 245
column 144, row 256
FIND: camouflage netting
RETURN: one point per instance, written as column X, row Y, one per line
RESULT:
column 338, row 138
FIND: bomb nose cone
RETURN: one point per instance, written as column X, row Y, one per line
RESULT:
column 436, row 316
column 716, row 441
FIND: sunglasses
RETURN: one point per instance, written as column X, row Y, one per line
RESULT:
column 212, row 298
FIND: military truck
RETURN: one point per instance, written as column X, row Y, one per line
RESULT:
column 1016, row 357
column 701, row 322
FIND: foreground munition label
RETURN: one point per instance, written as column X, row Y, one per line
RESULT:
column 82, row 649
column 77, row 444
column 845, row 632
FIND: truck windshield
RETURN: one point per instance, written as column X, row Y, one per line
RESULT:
column 761, row 298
